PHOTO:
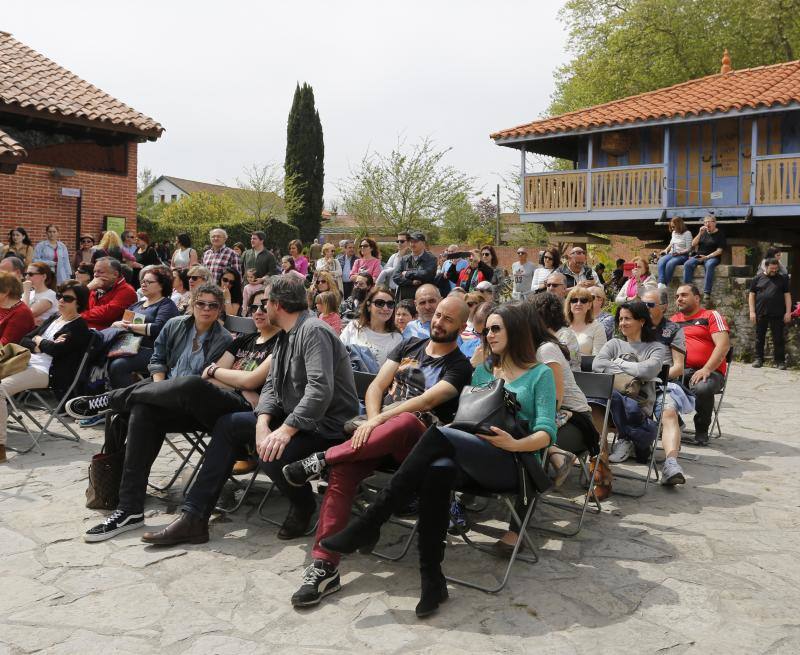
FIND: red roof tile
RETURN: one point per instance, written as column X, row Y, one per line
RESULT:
column 752, row 88
column 9, row 148
column 31, row 80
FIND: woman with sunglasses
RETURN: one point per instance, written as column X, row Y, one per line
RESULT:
column 38, row 291
column 19, row 245
column 56, row 346
column 323, row 281
column 639, row 282
column 550, row 260
column 579, row 314
column 231, row 283
column 329, row 264
column 198, row 276
column 369, row 259
column 54, row 253
column 84, row 253
column 145, row 318
column 445, row 458
column 374, row 328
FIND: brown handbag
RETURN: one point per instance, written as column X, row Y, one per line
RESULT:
column 105, row 469
column 13, row 359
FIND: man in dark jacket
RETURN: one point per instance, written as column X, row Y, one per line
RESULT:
column 770, row 305
column 308, row 396
column 416, row 268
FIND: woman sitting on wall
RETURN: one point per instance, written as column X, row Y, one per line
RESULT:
column 38, row 291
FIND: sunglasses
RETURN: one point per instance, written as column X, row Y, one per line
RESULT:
column 384, row 303
column 582, row 301
column 401, row 241
column 471, row 304
column 258, row 307
column 651, row 304
column 521, row 252
column 194, row 278
column 32, row 273
column 486, row 254
column 546, row 257
column 61, row 296
column 87, row 240
column 364, row 245
column 202, row 304
column 494, row 329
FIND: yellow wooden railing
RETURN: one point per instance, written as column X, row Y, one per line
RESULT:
column 627, row 188
column 778, row 181
column 548, row 192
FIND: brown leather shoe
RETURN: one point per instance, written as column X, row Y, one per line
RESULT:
column 186, row 529
column 244, row 466
column 3, row 453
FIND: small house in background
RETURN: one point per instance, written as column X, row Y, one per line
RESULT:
column 727, row 143
column 68, row 151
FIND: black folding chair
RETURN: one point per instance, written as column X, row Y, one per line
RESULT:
column 586, row 363
column 240, row 324
column 48, row 401
column 718, row 403
column 652, row 470
column 594, row 385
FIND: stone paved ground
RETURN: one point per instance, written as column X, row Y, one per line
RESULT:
column 708, row 568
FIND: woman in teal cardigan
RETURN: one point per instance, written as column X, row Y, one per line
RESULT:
column 445, row 458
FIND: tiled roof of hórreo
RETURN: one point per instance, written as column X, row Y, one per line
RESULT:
column 11, row 148
column 752, row 88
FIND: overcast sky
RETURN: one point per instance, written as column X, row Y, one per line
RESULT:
column 220, row 76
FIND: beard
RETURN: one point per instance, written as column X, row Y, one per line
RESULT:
column 360, row 294
column 446, row 337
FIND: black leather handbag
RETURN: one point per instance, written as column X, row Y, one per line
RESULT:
column 480, row 408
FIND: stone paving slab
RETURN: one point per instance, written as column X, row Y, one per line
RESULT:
column 707, row 568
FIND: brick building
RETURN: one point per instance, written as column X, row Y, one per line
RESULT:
column 68, row 151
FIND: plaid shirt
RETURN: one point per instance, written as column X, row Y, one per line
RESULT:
column 217, row 262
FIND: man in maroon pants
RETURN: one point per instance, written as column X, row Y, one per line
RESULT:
column 419, row 376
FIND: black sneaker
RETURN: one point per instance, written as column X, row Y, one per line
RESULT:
column 701, row 438
column 319, row 580
column 303, row 471
column 758, row 363
column 87, row 406
column 119, row 521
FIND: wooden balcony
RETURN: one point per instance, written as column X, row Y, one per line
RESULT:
column 630, row 187
column 777, row 181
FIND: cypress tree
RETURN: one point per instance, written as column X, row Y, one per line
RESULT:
column 304, row 166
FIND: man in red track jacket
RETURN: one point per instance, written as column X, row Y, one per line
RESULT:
column 110, row 294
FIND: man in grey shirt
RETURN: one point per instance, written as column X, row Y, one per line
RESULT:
column 307, row 397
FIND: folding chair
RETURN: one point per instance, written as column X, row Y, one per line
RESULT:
column 46, row 400
column 658, row 414
column 586, row 363
column 594, row 385
column 363, row 380
column 718, row 403
column 523, row 536
column 240, row 324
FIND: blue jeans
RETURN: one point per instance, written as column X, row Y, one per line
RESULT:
column 708, row 264
column 667, row 265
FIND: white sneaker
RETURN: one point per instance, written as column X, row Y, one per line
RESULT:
column 661, row 285
column 621, row 451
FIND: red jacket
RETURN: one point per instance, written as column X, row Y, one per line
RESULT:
column 15, row 323
column 111, row 305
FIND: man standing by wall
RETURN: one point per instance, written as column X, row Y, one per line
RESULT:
column 259, row 258
column 385, row 278
column 522, row 272
column 416, row 268
column 770, row 306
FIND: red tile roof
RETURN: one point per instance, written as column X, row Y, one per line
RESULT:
column 752, row 88
column 11, row 149
column 32, row 81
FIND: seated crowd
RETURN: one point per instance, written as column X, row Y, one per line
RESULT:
column 284, row 398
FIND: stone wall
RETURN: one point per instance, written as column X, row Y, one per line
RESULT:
column 729, row 293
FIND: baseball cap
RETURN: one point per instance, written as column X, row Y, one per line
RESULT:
column 484, row 286
column 416, row 236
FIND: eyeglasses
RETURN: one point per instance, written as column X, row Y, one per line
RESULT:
column 364, row 245
column 144, row 283
column 554, row 285
column 61, row 296
column 401, row 241
column 582, row 301
column 32, row 273
column 202, row 304
column 227, row 280
column 494, row 329
column 194, row 278
column 384, row 303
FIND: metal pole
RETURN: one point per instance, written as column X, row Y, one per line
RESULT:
column 497, row 222
column 78, row 222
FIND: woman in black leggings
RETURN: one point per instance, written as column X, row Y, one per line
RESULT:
column 445, row 458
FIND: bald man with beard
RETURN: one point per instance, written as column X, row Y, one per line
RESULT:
column 420, row 376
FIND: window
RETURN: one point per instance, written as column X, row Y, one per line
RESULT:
column 173, row 197
column 163, row 198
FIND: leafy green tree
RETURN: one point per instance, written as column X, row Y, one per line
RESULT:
column 304, row 166
column 406, row 189
column 625, row 47
column 459, row 219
